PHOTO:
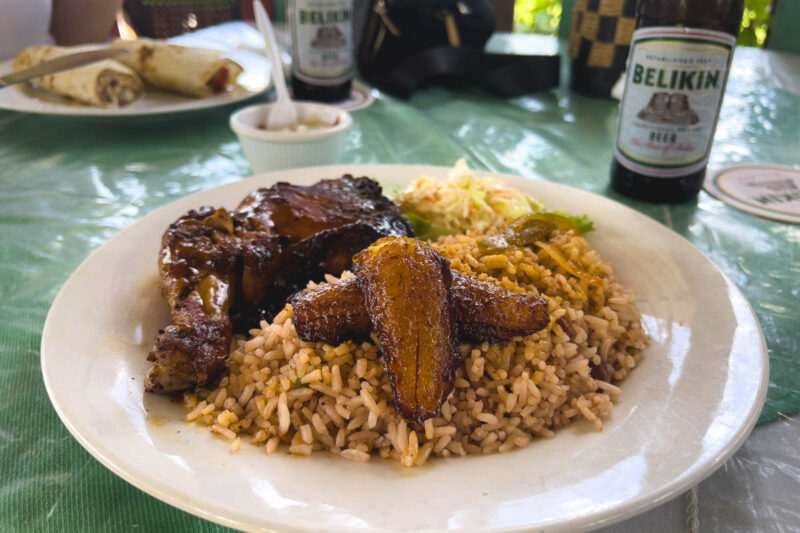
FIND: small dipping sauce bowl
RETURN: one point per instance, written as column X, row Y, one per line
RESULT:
column 317, row 139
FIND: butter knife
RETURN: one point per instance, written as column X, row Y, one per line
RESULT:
column 60, row 63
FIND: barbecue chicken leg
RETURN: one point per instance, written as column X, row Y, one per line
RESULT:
column 223, row 271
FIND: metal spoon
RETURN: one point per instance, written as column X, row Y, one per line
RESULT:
column 283, row 112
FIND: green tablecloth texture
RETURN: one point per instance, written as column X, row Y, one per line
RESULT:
column 67, row 186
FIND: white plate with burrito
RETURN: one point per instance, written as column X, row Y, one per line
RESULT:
column 253, row 80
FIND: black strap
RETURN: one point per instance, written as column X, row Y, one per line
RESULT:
column 501, row 74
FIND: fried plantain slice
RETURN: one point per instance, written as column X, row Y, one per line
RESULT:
column 487, row 311
column 483, row 311
column 331, row 313
column 405, row 285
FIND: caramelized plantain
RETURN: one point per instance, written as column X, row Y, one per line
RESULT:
column 331, row 313
column 406, row 289
column 482, row 310
column 487, row 311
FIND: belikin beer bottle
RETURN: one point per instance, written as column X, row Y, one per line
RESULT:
column 677, row 70
column 322, row 49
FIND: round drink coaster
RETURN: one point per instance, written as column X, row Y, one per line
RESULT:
column 360, row 97
column 769, row 191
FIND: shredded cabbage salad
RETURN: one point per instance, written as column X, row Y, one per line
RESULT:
column 462, row 201
column 465, row 201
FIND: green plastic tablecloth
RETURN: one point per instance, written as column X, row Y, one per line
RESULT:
column 66, row 187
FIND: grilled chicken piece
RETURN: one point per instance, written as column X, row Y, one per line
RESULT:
column 482, row 310
column 319, row 228
column 198, row 272
column 222, row 271
column 405, row 285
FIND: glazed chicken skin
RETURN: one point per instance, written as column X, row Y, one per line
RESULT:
column 405, row 285
column 482, row 310
column 223, row 272
column 198, row 264
column 313, row 231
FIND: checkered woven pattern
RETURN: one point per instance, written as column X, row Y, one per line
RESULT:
column 166, row 18
column 601, row 32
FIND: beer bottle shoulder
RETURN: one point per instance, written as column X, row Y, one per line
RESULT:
column 717, row 15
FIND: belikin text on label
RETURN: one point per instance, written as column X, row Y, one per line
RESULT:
column 676, row 78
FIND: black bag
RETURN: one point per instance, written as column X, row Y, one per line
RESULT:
column 411, row 43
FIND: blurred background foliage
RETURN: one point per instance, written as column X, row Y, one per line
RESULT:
column 544, row 17
column 537, row 16
column 755, row 22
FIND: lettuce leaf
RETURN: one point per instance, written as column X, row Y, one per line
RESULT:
column 424, row 229
column 389, row 190
column 581, row 222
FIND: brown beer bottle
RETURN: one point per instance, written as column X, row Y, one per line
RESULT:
column 677, row 70
column 322, row 49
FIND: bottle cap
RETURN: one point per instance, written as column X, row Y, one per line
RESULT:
column 769, row 191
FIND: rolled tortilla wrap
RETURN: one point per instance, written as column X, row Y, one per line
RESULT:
column 190, row 71
column 105, row 83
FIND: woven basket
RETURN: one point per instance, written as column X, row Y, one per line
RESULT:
column 161, row 19
column 599, row 41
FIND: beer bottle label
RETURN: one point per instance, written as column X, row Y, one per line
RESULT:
column 673, row 92
column 322, row 41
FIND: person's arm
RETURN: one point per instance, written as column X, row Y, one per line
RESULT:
column 83, row 21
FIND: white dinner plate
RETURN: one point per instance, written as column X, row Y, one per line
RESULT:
column 254, row 80
column 685, row 409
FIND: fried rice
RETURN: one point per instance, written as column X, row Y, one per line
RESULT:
column 281, row 393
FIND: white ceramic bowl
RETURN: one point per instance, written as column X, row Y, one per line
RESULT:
column 277, row 150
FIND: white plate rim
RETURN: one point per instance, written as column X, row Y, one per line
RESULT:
column 641, row 503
